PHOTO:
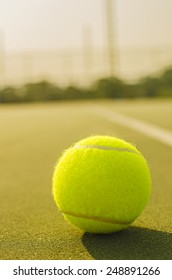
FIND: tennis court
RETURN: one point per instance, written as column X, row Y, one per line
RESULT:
column 33, row 136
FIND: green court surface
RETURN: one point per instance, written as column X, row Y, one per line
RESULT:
column 32, row 137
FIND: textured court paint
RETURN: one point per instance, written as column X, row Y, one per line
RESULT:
column 155, row 132
column 32, row 136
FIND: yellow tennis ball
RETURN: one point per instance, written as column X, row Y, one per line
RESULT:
column 101, row 184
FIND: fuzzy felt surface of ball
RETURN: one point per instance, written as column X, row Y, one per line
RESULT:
column 101, row 184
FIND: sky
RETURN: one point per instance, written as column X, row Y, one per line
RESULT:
column 56, row 24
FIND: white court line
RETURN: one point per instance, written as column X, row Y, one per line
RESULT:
column 153, row 131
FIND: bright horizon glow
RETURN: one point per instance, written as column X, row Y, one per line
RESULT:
column 42, row 24
column 76, row 31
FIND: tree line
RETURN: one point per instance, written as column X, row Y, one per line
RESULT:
column 111, row 87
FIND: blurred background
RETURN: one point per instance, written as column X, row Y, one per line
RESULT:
column 77, row 49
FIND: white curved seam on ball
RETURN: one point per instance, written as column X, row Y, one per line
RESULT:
column 97, row 219
column 105, row 148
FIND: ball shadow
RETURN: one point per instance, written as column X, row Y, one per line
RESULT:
column 131, row 244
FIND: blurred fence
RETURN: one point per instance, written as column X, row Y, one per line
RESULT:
column 80, row 67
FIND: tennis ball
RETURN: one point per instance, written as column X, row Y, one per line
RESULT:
column 101, row 184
